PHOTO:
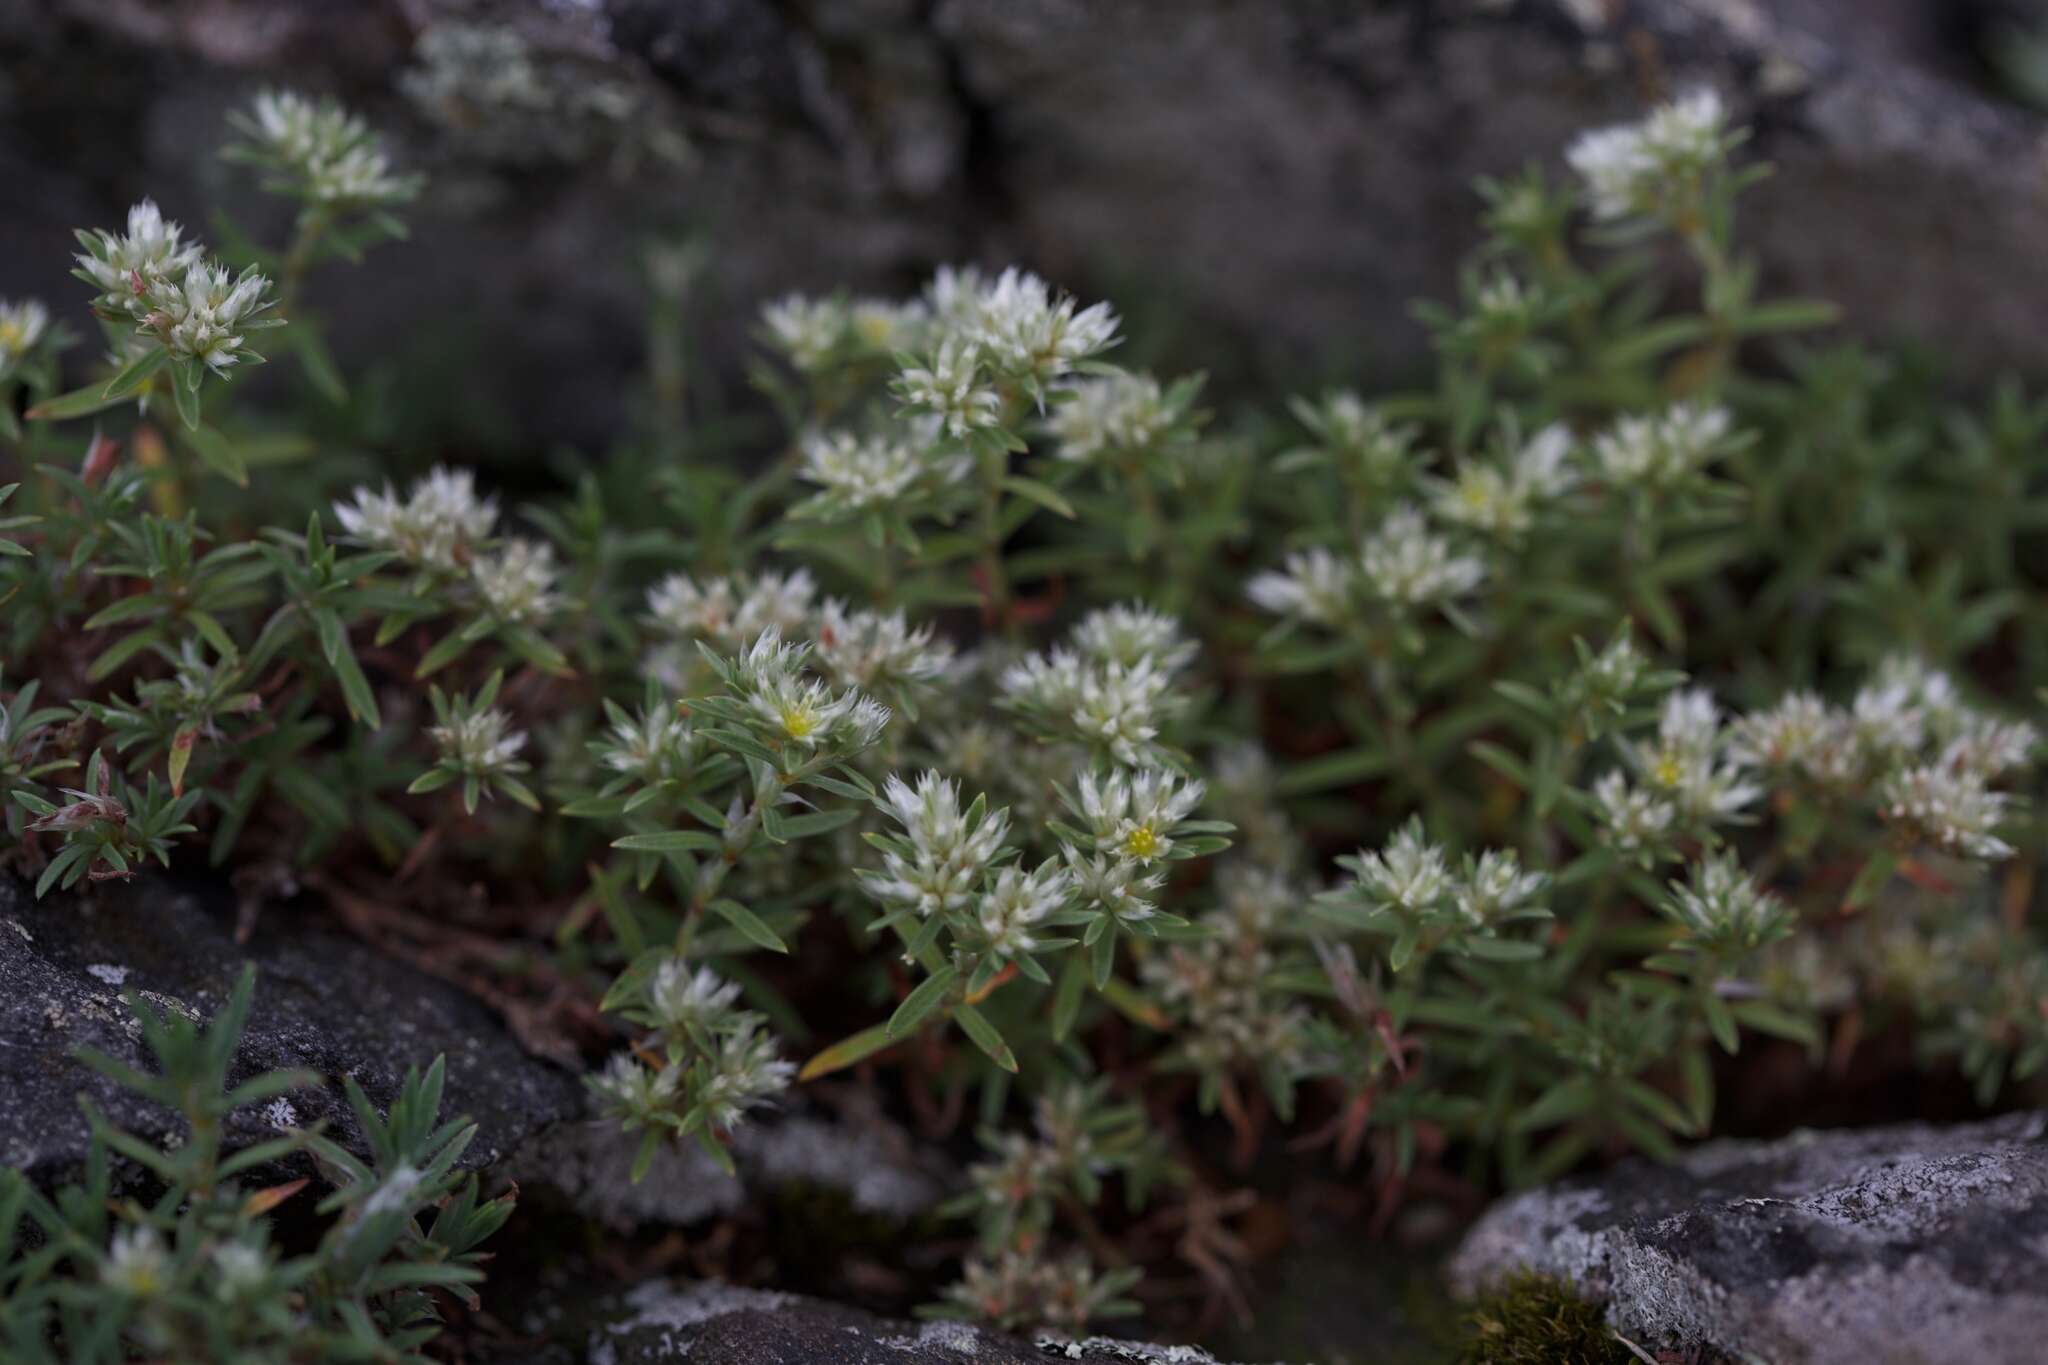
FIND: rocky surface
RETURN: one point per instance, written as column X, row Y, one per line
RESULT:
column 715, row 1324
column 323, row 1003
column 1270, row 184
column 871, row 1166
column 1907, row 1245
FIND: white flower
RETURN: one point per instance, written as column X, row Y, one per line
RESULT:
column 1948, row 807
column 1632, row 817
column 324, row 152
column 1685, row 766
column 888, row 327
column 438, row 525
column 729, row 611
column 1718, row 900
column 1114, row 886
column 1661, row 450
column 809, row 331
column 1256, row 897
column 480, row 743
column 1359, row 435
column 1115, row 705
column 1119, row 414
column 1496, row 887
column 1503, row 502
column 238, row 1268
column 1798, row 734
column 633, row 1091
column 1651, row 166
column 858, row 474
column 202, row 315
column 1409, row 875
column 693, row 1002
column 123, row 269
column 1132, row 815
column 949, row 850
column 518, row 581
column 1887, row 720
column 951, row 388
column 870, row 650
column 22, row 326
column 1025, row 332
column 745, row 1073
column 1403, row 563
column 1314, row 586
column 1130, row 632
column 1016, row 901
column 137, row 1263
column 656, row 745
column 1988, row 746
column 802, row 710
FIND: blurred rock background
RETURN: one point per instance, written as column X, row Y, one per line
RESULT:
column 1264, row 185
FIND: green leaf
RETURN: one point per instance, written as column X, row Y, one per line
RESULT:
column 1870, row 879
column 1068, row 995
column 1043, row 494
column 919, row 1004
column 318, row 363
column 846, row 1052
column 135, row 374
column 818, row 822
column 671, row 841
column 215, row 451
column 1327, row 771
column 78, row 403
column 749, row 924
column 186, row 396
column 976, row 1026
column 1788, row 315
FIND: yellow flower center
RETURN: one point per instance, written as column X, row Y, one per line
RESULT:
column 798, row 722
column 1142, row 842
column 1667, row 772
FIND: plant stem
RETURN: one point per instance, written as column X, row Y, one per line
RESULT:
column 739, row 839
column 995, row 580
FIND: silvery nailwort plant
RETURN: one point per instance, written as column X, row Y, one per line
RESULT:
column 89, row 1273
column 1447, row 776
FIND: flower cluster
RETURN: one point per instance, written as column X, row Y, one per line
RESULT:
column 1111, row 687
column 1409, row 889
column 318, row 151
column 1653, row 168
column 1663, row 450
column 198, row 312
column 23, row 326
column 857, row 475
column 1502, row 498
column 706, row 1063
column 1116, row 417
column 798, row 711
column 477, row 746
column 735, row 610
column 441, row 523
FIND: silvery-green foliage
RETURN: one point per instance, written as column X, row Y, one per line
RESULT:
column 196, row 1271
column 1440, row 777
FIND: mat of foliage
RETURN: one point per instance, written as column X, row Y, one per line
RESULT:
column 1445, row 787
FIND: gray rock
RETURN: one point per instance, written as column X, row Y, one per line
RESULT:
column 708, row 1323
column 1907, row 1245
column 323, row 1003
column 1277, row 181
column 872, row 1164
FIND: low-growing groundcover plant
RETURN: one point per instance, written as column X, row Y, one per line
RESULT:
column 1445, row 786
column 192, row 1274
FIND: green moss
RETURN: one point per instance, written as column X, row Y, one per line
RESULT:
column 1534, row 1319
